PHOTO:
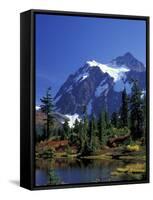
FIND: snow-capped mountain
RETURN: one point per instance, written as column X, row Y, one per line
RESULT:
column 98, row 86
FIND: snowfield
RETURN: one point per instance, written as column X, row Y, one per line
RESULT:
column 72, row 119
column 115, row 73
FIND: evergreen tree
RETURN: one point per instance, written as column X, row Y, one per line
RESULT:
column 60, row 133
column 66, row 129
column 85, row 122
column 137, row 113
column 144, row 109
column 84, row 134
column 40, row 133
column 102, row 127
column 106, row 118
column 92, row 133
column 94, row 123
column 85, row 128
column 95, row 141
column 124, row 109
column 144, row 114
column 81, row 138
column 47, row 108
column 114, row 119
column 75, row 135
column 76, row 126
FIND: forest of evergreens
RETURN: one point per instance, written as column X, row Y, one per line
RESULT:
column 91, row 134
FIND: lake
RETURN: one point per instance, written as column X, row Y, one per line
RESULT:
column 73, row 171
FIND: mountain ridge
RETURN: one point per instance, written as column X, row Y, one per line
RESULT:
column 98, row 86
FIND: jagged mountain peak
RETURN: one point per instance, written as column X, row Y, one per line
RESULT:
column 92, row 63
column 128, row 55
column 129, row 61
column 126, row 58
column 99, row 86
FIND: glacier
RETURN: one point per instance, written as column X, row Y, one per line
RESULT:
column 115, row 73
column 120, row 85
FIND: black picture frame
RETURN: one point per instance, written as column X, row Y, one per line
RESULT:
column 27, row 97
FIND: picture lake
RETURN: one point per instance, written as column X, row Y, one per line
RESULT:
column 91, row 101
column 73, row 171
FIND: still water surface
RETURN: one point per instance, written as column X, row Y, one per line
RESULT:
column 72, row 171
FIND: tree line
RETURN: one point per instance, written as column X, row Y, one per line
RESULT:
column 91, row 133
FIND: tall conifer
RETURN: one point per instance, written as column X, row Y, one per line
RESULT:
column 47, row 108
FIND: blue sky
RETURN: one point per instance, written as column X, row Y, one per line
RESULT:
column 65, row 43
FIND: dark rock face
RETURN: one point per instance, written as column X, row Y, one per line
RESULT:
column 97, row 89
column 75, row 93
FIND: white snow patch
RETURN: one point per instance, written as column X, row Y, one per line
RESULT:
column 101, row 88
column 89, row 107
column 37, row 107
column 103, row 81
column 72, row 119
column 115, row 73
column 82, row 77
column 143, row 93
column 120, row 85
